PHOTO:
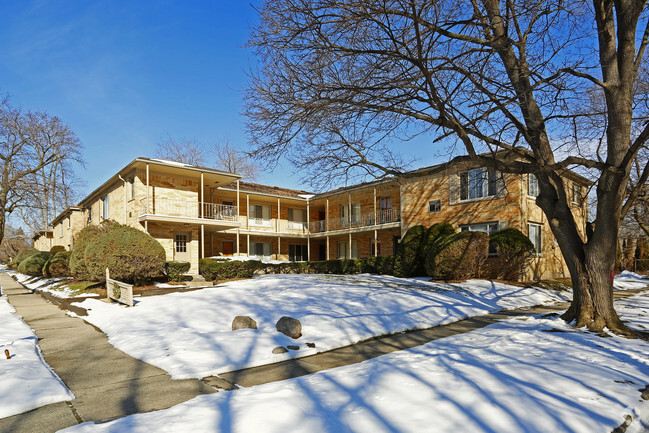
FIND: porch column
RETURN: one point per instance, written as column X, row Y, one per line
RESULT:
column 248, row 246
column 350, row 246
column 202, row 246
column 248, row 218
column 376, row 221
column 327, row 224
column 308, row 232
column 148, row 200
column 201, row 200
column 376, row 243
column 279, row 246
column 238, row 217
column 327, row 247
column 238, row 252
column 277, row 220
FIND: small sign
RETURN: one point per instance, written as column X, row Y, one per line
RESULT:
column 119, row 291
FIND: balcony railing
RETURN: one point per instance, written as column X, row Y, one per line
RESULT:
column 385, row 216
column 188, row 209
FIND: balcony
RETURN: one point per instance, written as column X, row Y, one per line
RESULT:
column 386, row 216
column 164, row 209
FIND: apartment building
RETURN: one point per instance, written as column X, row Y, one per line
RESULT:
column 197, row 212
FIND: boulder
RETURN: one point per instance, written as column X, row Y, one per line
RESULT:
column 279, row 350
column 243, row 322
column 289, row 326
column 293, row 347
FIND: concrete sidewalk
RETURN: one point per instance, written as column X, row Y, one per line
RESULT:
column 107, row 383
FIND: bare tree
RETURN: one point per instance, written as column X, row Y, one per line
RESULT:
column 233, row 160
column 185, row 150
column 13, row 241
column 35, row 152
column 520, row 75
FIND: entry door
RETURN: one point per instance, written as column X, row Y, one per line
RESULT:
column 182, row 244
column 228, row 248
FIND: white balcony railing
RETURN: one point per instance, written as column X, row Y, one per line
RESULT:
column 385, row 216
column 187, row 209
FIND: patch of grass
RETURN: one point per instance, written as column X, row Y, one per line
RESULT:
column 80, row 287
column 561, row 284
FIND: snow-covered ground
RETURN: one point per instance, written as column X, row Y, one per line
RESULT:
column 54, row 286
column 189, row 334
column 526, row 374
column 26, row 381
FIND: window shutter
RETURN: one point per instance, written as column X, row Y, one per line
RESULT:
column 452, row 193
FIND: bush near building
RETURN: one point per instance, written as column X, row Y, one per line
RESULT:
column 57, row 249
column 407, row 260
column 84, row 239
column 33, row 265
column 176, row 270
column 515, row 252
column 22, row 255
column 58, row 266
column 462, row 257
column 132, row 255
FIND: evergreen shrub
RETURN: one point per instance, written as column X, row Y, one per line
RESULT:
column 57, row 249
column 33, row 265
column 515, row 251
column 407, row 260
column 84, row 239
column 462, row 257
column 58, row 266
column 131, row 255
column 176, row 270
column 23, row 254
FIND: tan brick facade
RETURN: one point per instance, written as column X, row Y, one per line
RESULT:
column 164, row 199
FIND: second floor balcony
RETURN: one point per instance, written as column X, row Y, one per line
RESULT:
column 370, row 219
column 187, row 209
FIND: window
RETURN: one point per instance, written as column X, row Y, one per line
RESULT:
column 534, row 233
column 131, row 188
column 90, row 213
column 532, row 185
column 260, row 215
column 488, row 228
column 576, row 194
column 181, row 243
column 478, row 183
column 61, row 229
column 343, row 250
column 105, row 200
column 260, row 250
column 434, row 206
column 348, row 217
column 374, row 245
column 385, row 212
column 69, row 222
column 297, row 253
column 296, row 219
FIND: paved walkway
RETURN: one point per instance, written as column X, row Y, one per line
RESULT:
column 107, row 383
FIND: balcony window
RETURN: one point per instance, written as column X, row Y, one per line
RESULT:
column 350, row 214
column 296, row 219
column 479, row 183
column 260, row 216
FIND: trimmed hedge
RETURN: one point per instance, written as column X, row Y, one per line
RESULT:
column 23, row 254
column 176, row 270
column 462, row 257
column 407, row 261
column 515, row 251
column 58, row 266
column 222, row 269
column 57, row 249
column 33, row 265
column 84, row 239
column 131, row 255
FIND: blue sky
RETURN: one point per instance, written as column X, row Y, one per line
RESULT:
column 125, row 74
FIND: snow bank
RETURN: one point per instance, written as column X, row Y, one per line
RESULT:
column 26, row 381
